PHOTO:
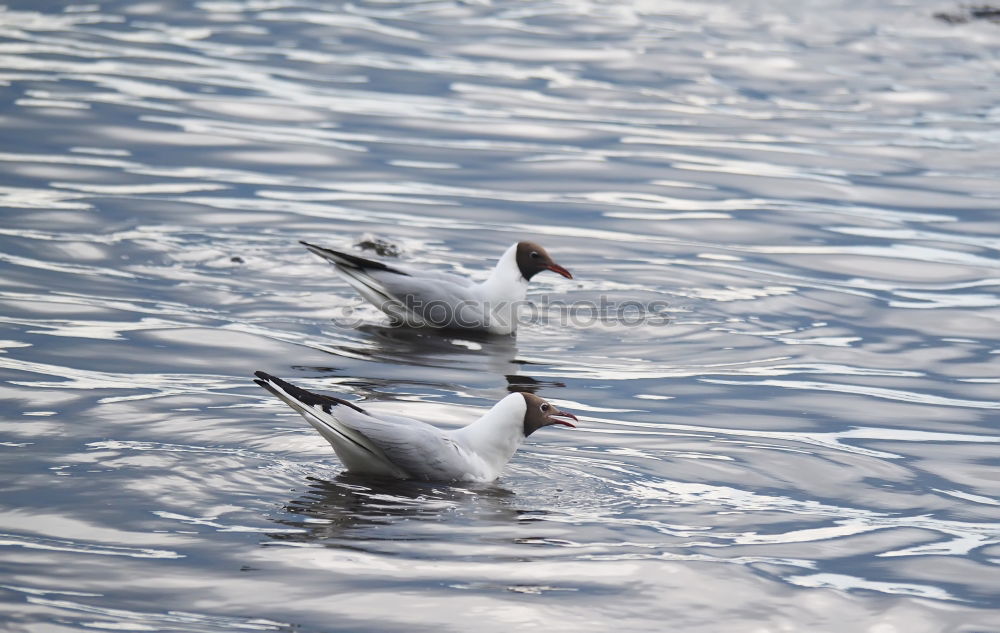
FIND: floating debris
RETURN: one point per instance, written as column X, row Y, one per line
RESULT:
column 380, row 246
column 968, row 14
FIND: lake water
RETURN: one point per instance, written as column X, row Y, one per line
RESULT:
column 803, row 438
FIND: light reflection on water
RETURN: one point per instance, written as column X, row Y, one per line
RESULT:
column 808, row 441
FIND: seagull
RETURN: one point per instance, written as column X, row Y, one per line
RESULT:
column 437, row 299
column 403, row 448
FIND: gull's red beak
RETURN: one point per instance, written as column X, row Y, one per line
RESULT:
column 556, row 268
column 562, row 414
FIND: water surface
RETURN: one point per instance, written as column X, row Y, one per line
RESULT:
column 805, row 439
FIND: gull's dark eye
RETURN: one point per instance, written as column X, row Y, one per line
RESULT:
column 535, row 255
column 545, row 406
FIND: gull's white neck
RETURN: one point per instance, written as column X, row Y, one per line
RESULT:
column 506, row 283
column 495, row 437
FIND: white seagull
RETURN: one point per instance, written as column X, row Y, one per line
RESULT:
column 437, row 299
column 404, row 448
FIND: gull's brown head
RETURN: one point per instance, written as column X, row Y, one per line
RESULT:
column 540, row 413
column 533, row 259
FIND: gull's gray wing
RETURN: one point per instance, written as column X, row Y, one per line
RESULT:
column 422, row 450
column 438, row 298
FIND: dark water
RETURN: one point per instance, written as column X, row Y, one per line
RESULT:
column 809, row 443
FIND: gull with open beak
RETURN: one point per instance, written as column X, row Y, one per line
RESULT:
column 422, row 298
column 405, row 448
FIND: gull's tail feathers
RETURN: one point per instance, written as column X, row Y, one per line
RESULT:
column 355, row 450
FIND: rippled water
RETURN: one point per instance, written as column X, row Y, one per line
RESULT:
column 810, row 443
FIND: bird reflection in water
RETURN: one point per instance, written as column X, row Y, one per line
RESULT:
column 476, row 360
column 435, row 348
column 360, row 509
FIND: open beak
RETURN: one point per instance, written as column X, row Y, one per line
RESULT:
column 556, row 268
column 563, row 414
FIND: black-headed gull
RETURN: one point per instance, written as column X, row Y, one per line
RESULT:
column 404, row 448
column 438, row 299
